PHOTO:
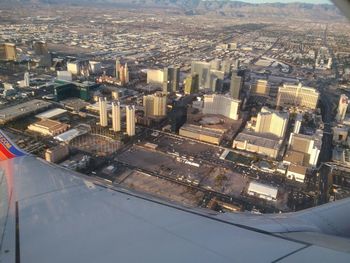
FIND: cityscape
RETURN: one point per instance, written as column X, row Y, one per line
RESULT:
column 202, row 106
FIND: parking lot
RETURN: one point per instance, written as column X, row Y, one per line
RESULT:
column 162, row 188
column 163, row 164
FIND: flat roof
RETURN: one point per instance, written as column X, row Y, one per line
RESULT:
column 297, row 169
column 263, row 189
column 20, row 110
column 202, row 130
column 69, row 135
column 258, row 139
column 51, row 113
column 48, row 124
column 294, row 157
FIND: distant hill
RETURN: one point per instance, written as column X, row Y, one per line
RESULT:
column 221, row 7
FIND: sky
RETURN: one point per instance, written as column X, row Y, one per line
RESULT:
column 285, row 1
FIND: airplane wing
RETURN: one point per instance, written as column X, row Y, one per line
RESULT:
column 50, row 214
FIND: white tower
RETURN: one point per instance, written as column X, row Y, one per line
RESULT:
column 298, row 121
column 116, row 118
column 342, row 108
column 103, row 112
column 126, row 73
column 130, row 120
column 26, row 79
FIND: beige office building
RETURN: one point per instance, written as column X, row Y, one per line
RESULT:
column 130, row 120
column 155, row 76
column 8, row 51
column 103, row 112
column 222, row 105
column 116, row 116
column 297, row 95
column 260, row 88
column 155, row 104
column 272, row 122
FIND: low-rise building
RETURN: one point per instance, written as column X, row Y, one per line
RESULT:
column 200, row 133
column 263, row 191
column 57, row 154
column 262, row 144
column 297, row 173
column 48, row 127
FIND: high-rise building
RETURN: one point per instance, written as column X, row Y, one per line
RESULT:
column 216, row 78
column 103, row 112
column 310, row 145
column 155, row 76
column 191, row 84
column 40, row 48
column 177, row 117
column 223, row 105
column 122, row 74
column 8, row 52
column 203, row 70
column 74, row 67
column 130, row 120
column 272, row 122
column 95, row 67
column 260, row 88
column 235, row 86
column 116, row 116
column 298, row 96
column 26, row 79
column 117, row 69
column 171, row 79
column 155, row 104
column 297, row 124
column 126, row 73
column 342, row 107
column 215, row 64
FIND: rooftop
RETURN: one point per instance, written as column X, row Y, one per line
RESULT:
column 13, row 112
column 263, row 140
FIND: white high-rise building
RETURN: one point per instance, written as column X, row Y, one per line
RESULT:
column 223, row 105
column 130, row 120
column 26, row 79
column 103, row 112
column 297, row 96
column 298, row 121
column 116, row 116
column 272, row 122
column 342, row 108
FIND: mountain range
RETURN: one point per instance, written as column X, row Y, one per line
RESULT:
column 221, row 7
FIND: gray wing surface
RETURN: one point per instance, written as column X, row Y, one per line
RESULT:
column 50, row 214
